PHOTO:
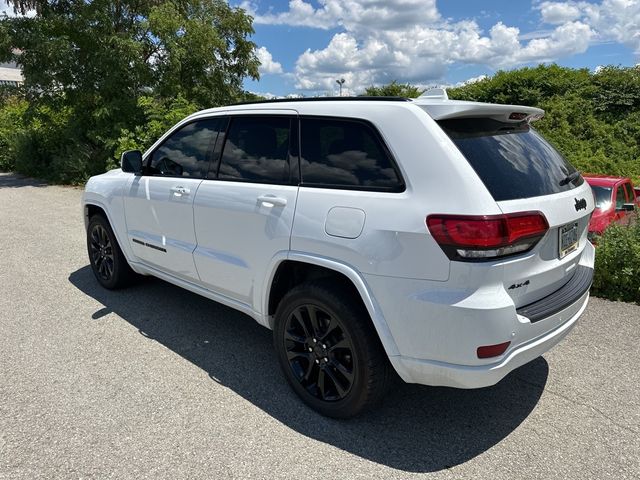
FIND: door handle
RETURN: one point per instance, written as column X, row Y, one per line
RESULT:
column 179, row 191
column 272, row 201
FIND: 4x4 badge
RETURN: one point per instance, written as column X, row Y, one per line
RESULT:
column 518, row 285
column 581, row 204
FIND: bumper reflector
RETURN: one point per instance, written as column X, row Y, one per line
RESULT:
column 489, row 351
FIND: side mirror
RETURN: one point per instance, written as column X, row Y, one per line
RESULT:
column 131, row 161
column 628, row 207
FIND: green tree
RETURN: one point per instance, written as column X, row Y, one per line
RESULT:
column 11, row 114
column 94, row 60
column 525, row 86
column 394, row 89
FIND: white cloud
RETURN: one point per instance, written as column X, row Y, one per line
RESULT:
column 267, row 95
column 611, row 20
column 617, row 20
column 567, row 39
column 350, row 14
column 471, row 80
column 559, row 12
column 421, row 54
column 409, row 41
column 535, row 34
column 267, row 64
column 299, row 14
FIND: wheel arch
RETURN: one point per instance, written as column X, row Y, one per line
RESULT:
column 91, row 209
column 92, row 205
column 317, row 267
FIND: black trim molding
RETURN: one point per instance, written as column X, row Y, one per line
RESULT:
column 560, row 299
column 155, row 247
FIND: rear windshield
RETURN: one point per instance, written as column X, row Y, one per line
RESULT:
column 513, row 160
column 602, row 196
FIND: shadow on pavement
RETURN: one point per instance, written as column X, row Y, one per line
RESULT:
column 14, row 180
column 416, row 429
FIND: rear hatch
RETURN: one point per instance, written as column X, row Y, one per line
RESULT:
column 526, row 176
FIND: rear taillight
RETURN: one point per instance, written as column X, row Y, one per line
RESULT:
column 464, row 237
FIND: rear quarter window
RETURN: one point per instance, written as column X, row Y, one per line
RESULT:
column 513, row 160
column 345, row 153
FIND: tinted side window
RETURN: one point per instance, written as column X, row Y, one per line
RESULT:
column 620, row 199
column 186, row 152
column 630, row 194
column 346, row 153
column 257, row 150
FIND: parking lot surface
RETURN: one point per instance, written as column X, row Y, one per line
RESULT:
column 156, row 382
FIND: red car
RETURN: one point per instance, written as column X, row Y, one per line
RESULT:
column 615, row 199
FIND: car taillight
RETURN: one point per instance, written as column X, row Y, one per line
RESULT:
column 465, row 237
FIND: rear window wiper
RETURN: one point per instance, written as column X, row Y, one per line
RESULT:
column 569, row 178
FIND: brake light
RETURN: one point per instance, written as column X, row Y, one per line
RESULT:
column 487, row 236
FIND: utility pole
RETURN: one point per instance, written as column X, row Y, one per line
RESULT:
column 340, row 82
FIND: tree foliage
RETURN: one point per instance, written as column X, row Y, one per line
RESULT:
column 93, row 62
column 393, row 89
column 618, row 264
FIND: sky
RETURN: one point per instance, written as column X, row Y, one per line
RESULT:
column 306, row 45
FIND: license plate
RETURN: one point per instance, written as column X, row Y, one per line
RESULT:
column 568, row 239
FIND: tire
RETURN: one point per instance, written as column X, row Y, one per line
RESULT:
column 108, row 263
column 346, row 353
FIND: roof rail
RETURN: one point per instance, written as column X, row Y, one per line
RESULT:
column 435, row 93
column 326, row 99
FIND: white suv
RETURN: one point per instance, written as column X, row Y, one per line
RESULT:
column 444, row 240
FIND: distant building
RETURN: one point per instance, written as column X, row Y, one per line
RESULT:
column 10, row 75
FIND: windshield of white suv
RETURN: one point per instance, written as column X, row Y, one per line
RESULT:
column 513, row 160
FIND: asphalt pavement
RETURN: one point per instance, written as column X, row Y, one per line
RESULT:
column 156, row 382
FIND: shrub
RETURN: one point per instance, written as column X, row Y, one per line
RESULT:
column 47, row 144
column 617, row 270
column 11, row 113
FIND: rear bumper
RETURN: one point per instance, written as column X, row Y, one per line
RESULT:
column 438, row 326
column 438, row 373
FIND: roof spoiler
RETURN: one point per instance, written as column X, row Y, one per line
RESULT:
column 437, row 104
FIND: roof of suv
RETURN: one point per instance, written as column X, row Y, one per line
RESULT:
column 435, row 102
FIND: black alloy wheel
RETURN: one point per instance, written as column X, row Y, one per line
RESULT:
column 108, row 263
column 329, row 350
column 101, row 252
column 320, row 353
